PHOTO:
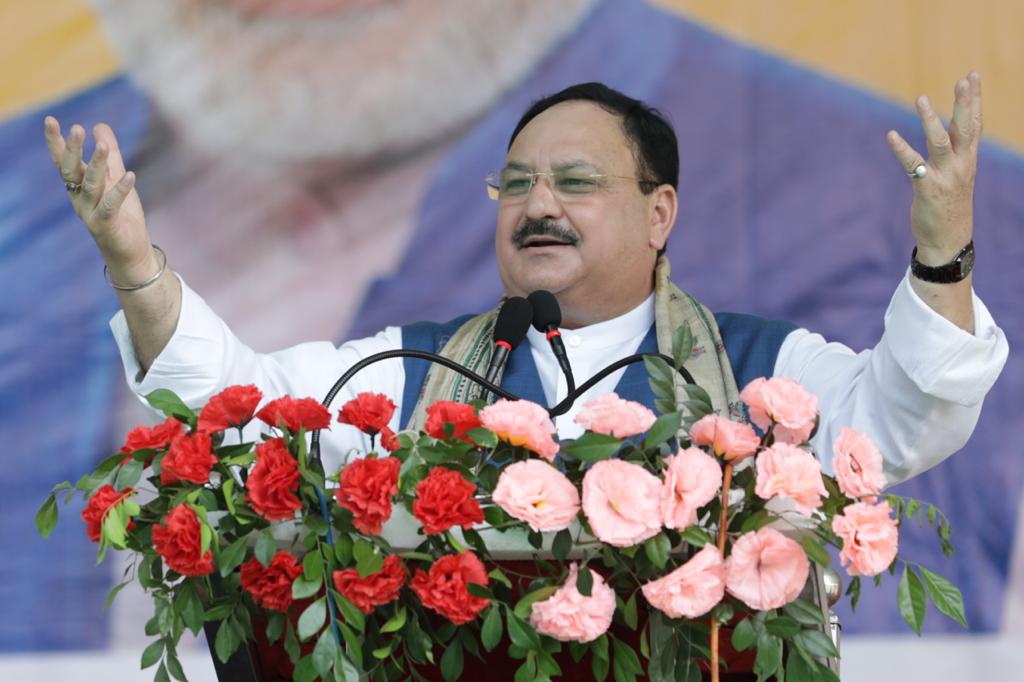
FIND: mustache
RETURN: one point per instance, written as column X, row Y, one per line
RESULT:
column 543, row 228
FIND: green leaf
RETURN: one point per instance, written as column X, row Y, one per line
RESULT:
column 804, row 612
column 480, row 591
column 696, row 536
column 170, row 404
column 769, row 656
column 498, row 575
column 113, row 593
column 313, row 566
column 663, row 429
column 174, row 667
column 783, row 626
column 682, row 344
column 490, row 633
column 325, row 653
column 128, row 474
column 305, row 671
column 592, row 447
column 312, row 619
column 189, row 606
column 743, row 635
column 368, row 561
column 723, row 613
column 354, row 644
column 114, row 524
column 695, row 392
column 562, row 544
column 266, row 548
column 303, row 588
column 584, row 581
column 382, row 653
column 626, row 658
column 205, row 537
column 343, row 550
column 524, row 605
column 657, row 549
column 910, row 598
column 816, row 643
column 798, row 670
column 353, row 616
column 483, row 438
column 945, row 596
column 161, row 674
column 814, row 550
column 756, row 521
column 520, row 633
column 451, row 661
column 396, row 622
column 231, row 556
column 316, row 523
column 152, row 653
column 226, row 642
column 629, row 614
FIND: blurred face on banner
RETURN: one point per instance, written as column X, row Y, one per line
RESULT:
column 329, row 79
column 583, row 229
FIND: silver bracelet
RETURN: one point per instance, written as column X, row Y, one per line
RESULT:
column 143, row 285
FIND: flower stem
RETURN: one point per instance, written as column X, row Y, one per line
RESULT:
column 723, row 524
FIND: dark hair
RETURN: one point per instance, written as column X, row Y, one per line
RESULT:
column 655, row 148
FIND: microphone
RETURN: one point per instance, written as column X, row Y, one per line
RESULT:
column 547, row 316
column 509, row 331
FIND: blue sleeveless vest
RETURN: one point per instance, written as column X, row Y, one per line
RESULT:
column 751, row 343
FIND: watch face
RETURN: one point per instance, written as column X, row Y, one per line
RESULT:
column 967, row 264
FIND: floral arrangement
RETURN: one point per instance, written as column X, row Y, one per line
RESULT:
column 671, row 527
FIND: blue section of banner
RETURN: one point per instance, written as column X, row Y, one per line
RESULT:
column 59, row 375
column 792, row 207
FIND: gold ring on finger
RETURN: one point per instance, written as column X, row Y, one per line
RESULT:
column 918, row 171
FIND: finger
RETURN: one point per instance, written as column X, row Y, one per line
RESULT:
column 939, row 146
column 112, row 200
column 961, row 127
column 95, row 177
column 71, row 166
column 105, row 135
column 908, row 157
column 54, row 140
column 974, row 78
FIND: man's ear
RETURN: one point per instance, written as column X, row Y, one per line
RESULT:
column 662, row 217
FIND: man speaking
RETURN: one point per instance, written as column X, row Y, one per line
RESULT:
column 586, row 202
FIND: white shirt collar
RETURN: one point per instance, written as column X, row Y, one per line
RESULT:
column 613, row 332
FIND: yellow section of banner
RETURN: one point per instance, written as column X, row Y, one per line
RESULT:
column 899, row 49
column 49, row 49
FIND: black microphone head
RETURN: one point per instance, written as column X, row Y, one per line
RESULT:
column 546, row 313
column 513, row 320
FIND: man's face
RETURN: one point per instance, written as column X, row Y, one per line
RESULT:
column 596, row 251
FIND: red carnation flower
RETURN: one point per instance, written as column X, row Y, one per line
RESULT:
column 368, row 412
column 445, row 499
column 389, row 440
column 271, row 586
column 365, row 487
column 189, row 459
column 152, row 437
column 295, row 413
column 179, row 541
column 231, row 408
column 274, row 481
column 460, row 415
column 445, row 589
column 102, row 500
column 375, row 589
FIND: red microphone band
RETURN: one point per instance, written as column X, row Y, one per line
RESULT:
column 504, row 344
column 553, row 333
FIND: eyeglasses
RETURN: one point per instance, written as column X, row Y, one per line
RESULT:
column 513, row 185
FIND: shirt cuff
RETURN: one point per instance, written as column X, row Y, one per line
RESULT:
column 942, row 359
column 197, row 335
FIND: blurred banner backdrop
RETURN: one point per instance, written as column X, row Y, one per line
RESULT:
column 314, row 169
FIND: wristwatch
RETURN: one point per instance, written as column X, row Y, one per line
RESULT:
column 954, row 271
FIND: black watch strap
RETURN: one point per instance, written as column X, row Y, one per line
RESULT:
column 954, row 271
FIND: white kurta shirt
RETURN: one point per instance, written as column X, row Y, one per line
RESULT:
column 917, row 393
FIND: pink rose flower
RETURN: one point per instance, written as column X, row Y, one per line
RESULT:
column 568, row 616
column 728, row 439
column 692, row 479
column 788, row 471
column 858, row 464
column 785, row 402
column 766, row 569
column 521, row 422
column 621, row 502
column 538, row 493
column 613, row 416
column 870, row 537
column 691, row 590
